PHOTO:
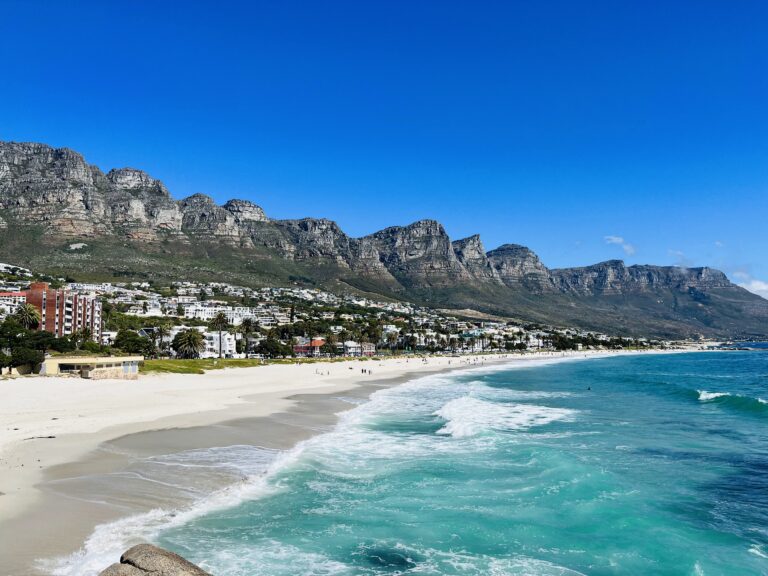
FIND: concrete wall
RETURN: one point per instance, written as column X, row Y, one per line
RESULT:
column 113, row 374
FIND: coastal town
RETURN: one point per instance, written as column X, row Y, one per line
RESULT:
column 190, row 320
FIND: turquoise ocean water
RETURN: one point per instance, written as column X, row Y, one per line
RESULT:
column 653, row 464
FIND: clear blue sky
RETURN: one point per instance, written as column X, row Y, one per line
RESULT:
column 586, row 130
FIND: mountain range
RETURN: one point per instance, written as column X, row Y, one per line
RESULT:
column 61, row 215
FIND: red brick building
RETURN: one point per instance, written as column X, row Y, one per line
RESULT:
column 63, row 313
column 307, row 347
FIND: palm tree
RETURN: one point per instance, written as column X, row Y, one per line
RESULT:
column 188, row 343
column 28, row 316
column 86, row 334
column 392, row 340
column 162, row 331
column 221, row 325
column 247, row 327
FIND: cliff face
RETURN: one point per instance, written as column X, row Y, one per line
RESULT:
column 54, row 188
column 518, row 267
column 140, row 206
column 613, row 277
column 419, row 255
column 471, row 254
column 57, row 191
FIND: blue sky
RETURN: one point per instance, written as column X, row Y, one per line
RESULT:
column 585, row 130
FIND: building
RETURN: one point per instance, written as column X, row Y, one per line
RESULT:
column 211, row 341
column 308, row 347
column 352, row 348
column 368, row 349
column 9, row 302
column 63, row 312
column 95, row 368
column 228, row 345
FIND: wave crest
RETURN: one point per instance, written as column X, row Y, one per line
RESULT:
column 735, row 401
column 468, row 416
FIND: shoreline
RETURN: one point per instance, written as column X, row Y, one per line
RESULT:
column 164, row 414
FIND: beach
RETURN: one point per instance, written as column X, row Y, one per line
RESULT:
column 61, row 433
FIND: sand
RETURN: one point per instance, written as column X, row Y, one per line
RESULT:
column 60, row 435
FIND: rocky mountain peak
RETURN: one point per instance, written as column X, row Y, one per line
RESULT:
column 203, row 218
column 512, row 251
column 420, row 254
column 245, row 211
column 471, row 254
column 20, row 159
column 470, row 248
column 518, row 266
column 614, row 277
column 198, row 199
column 133, row 180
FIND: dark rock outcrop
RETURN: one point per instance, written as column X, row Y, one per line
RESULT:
column 148, row 560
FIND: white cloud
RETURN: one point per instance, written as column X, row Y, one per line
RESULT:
column 756, row 287
column 718, row 244
column 680, row 258
column 739, row 275
column 629, row 250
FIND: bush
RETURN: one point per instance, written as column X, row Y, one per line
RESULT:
column 24, row 356
column 130, row 342
column 91, row 346
column 273, row 348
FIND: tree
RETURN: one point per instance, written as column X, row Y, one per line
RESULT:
column 248, row 327
column 273, row 348
column 129, row 341
column 188, row 343
column 28, row 316
column 392, row 340
column 24, row 356
column 329, row 349
column 221, row 325
column 163, row 331
column 80, row 337
column 5, row 361
column 92, row 346
column 86, row 333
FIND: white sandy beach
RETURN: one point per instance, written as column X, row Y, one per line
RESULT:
column 47, row 422
column 80, row 414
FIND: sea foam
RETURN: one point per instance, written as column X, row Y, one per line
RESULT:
column 468, row 416
column 705, row 396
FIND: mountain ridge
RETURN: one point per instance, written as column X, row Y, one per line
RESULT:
column 54, row 196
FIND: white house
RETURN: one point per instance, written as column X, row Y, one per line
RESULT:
column 228, row 345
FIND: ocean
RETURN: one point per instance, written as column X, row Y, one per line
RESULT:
column 644, row 464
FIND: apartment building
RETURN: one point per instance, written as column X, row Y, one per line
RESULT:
column 63, row 312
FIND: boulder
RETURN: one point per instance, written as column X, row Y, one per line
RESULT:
column 144, row 559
